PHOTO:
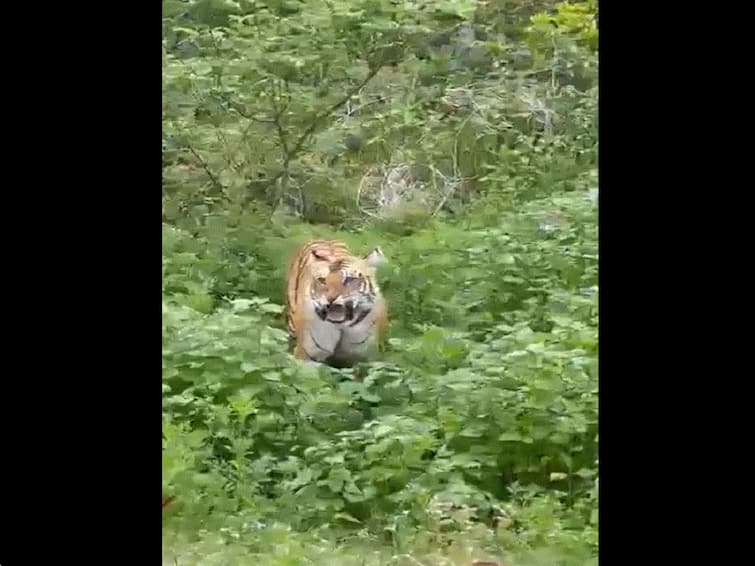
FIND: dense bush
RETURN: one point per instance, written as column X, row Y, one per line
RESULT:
column 460, row 137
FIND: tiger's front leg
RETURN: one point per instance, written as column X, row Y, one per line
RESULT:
column 317, row 341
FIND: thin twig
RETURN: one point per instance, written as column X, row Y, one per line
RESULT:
column 455, row 157
column 276, row 120
column 228, row 155
column 206, row 168
column 351, row 111
column 359, row 195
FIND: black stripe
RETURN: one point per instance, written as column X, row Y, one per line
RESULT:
column 297, row 275
column 363, row 341
column 361, row 317
column 299, row 264
column 311, row 359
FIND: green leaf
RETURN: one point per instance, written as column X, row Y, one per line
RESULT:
column 336, row 459
column 271, row 308
column 302, row 478
column 346, row 517
column 475, row 431
column 507, row 259
column 188, row 31
column 510, row 437
column 369, row 397
column 272, row 376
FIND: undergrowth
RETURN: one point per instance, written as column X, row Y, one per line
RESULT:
column 475, row 434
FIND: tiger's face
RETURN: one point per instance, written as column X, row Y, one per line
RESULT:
column 344, row 291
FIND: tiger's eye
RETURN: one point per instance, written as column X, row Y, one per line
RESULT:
column 321, row 280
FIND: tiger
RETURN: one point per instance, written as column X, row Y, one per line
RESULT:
column 336, row 313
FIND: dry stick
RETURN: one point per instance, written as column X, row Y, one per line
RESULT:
column 359, row 195
column 282, row 137
column 277, row 113
column 206, row 168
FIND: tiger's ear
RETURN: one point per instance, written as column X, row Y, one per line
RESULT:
column 375, row 258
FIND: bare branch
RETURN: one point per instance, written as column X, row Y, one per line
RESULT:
column 304, row 137
column 206, row 168
column 351, row 92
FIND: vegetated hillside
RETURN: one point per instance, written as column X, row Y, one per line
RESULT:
column 461, row 138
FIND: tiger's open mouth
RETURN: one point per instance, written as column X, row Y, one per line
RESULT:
column 340, row 313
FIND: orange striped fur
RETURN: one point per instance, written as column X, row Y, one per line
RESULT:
column 324, row 271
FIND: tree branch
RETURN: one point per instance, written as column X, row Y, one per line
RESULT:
column 351, row 92
column 206, row 168
column 304, row 137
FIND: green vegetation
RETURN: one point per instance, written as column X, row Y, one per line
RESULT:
column 459, row 136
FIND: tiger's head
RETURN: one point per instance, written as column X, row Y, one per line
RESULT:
column 345, row 290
